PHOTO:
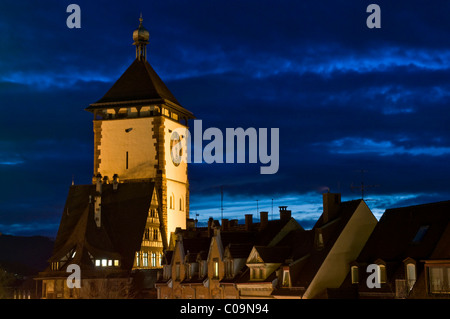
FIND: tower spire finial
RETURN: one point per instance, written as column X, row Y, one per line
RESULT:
column 141, row 37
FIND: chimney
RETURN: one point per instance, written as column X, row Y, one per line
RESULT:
column 225, row 224
column 264, row 219
column 115, row 182
column 248, row 221
column 98, row 184
column 285, row 214
column 233, row 223
column 98, row 201
column 331, row 204
column 210, row 230
column 190, row 224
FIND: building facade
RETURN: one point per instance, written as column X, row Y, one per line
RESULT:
column 116, row 229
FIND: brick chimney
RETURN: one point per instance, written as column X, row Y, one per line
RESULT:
column 233, row 223
column 98, row 184
column 285, row 214
column 225, row 224
column 331, row 204
column 210, row 224
column 98, row 201
column 190, row 224
column 115, row 182
column 248, row 221
column 264, row 219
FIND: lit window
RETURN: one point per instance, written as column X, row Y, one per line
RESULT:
column 153, row 259
column 439, row 279
column 116, row 263
column 97, row 262
column 382, row 274
column 144, row 259
column 411, row 275
column 216, row 269
column 104, row 262
column 137, row 259
column 286, row 278
column 110, row 263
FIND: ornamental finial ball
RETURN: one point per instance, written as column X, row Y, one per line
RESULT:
column 141, row 34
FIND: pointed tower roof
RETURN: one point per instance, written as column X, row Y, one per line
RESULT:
column 139, row 85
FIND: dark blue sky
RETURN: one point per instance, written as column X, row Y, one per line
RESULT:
column 345, row 98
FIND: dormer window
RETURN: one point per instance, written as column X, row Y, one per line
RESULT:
column 229, row 268
column 410, row 275
column 256, row 273
column 286, row 282
column 319, row 239
column 216, row 268
column 381, row 273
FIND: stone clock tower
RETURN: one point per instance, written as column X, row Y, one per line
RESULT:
column 134, row 127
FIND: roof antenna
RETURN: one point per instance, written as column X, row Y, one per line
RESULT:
column 272, row 208
column 221, row 201
column 362, row 187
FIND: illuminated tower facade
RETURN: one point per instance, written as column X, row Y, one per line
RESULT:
column 134, row 132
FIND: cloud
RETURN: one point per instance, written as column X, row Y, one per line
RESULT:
column 344, row 97
column 357, row 145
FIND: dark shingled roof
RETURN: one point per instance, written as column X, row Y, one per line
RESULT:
column 239, row 250
column 123, row 218
column 138, row 82
column 302, row 244
column 139, row 85
column 393, row 237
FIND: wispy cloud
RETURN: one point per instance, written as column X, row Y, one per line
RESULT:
column 358, row 145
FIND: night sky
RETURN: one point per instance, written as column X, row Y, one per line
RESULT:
column 345, row 98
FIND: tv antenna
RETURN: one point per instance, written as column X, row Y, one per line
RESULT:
column 363, row 186
column 221, row 202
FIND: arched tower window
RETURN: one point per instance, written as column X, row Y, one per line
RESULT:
column 171, row 202
column 181, row 204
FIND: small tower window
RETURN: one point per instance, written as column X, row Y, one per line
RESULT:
column 126, row 160
column 171, row 202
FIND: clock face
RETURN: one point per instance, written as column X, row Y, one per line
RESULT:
column 176, row 151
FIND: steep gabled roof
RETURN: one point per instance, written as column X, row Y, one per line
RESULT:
column 306, row 255
column 442, row 250
column 123, row 217
column 138, row 83
column 412, row 231
column 275, row 254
